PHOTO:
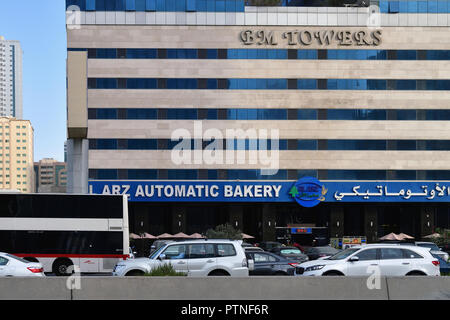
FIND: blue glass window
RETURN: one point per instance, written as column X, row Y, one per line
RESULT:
column 107, row 174
column 142, row 174
column 142, row 144
column 307, row 114
column 406, row 145
column 406, row 55
column 106, row 144
column 142, row 114
column 356, row 144
column 363, row 114
column 106, row 113
column 406, row 115
column 130, row 5
column 307, row 145
column 307, row 84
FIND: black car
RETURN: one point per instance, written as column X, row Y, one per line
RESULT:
column 291, row 253
column 315, row 253
column 269, row 264
column 268, row 245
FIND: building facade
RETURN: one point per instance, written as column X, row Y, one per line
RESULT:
column 16, row 155
column 10, row 78
column 51, row 176
column 207, row 112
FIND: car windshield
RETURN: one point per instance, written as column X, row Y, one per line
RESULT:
column 290, row 251
column 343, row 254
column 156, row 253
column 432, row 246
column 17, row 258
column 329, row 250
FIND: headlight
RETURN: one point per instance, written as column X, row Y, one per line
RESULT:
column 314, row 268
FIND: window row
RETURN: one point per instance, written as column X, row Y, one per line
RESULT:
column 274, row 54
column 412, row 6
column 266, row 114
column 386, row 6
column 254, row 144
column 159, row 5
column 255, row 174
column 266, row 84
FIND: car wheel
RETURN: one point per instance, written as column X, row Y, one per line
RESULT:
column 134, row 273
column 61, row 267
column 416, row 273
column 333, row 273
column 280, row 274
column 218, row 273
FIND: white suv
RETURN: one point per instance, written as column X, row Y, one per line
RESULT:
column 392, row 260
column 196, row 258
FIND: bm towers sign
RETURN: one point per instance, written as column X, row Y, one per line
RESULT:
column 307, row 38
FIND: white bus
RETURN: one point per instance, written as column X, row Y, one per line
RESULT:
column 64, row 230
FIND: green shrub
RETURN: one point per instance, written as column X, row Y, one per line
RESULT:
column 165, row 270
column 224, row 231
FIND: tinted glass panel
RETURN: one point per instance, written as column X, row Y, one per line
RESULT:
column 391, row 253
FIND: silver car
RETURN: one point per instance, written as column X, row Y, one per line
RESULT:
column 387, row 259
column 12, row 266
column 196, row 258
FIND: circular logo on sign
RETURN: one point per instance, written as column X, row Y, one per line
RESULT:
column 308, row 192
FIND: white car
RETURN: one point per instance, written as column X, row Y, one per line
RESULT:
column 392, row 260
column 196, row 258
column 12, row 266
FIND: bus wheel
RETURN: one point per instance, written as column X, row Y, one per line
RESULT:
column 61, row 267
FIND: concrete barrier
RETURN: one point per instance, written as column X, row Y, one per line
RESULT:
column 220, row 288
column 225, row 288
column 423, row 288
column 34, row 289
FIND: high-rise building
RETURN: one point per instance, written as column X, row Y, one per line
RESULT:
column 10, row 78
column 359, row 98
column 16, row 155
column 51, row 176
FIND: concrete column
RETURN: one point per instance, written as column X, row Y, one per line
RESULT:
column 178, row 220
column 235, row 217
column 427, row 220
column 268, row 224
column 337, row 222
column 77, row 165
column 371, row 224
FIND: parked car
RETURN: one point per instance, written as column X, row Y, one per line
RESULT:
column 248, row 249
column 444, row 266
column 247, row 245
column 435, row 250
column 12, row 266
column 268, row 245
column 292, row 253
column 315, row 253
column 269, row 264
column 392, row 260
column 196, row 258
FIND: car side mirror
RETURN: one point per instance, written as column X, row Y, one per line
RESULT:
column 162, row 256
column 353, row 259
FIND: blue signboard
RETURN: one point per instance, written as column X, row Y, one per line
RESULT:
column 307, row 192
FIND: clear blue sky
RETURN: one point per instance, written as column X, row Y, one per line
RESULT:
column 40, row 28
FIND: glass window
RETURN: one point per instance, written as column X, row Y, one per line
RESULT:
column 201, row 251
column 370, row 254
column 391, row 253
column 409, row 254
column 260, row 257
column 226, row 250
column 3, row 261
column 175, row 252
